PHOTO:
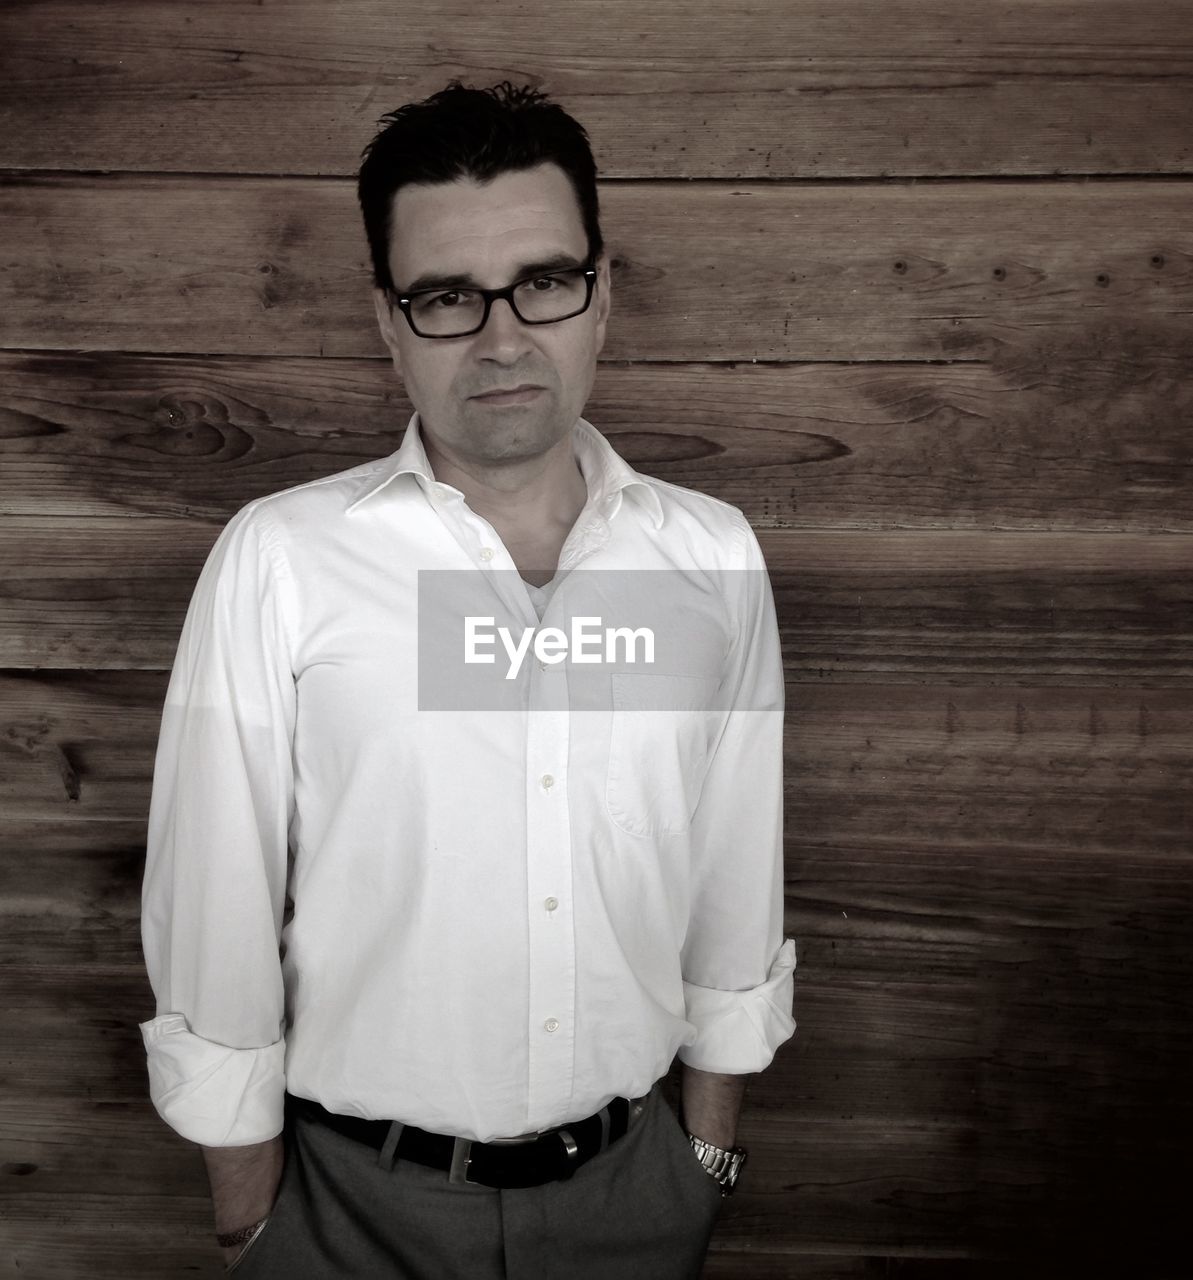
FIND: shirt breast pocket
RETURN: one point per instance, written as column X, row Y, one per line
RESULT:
column 661, row 736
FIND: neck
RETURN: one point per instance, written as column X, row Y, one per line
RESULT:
column 527, row 494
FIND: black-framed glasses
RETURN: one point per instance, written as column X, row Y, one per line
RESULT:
column 543, row 298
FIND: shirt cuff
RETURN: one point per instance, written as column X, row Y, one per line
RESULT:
column 738, row 1031
column 210, row 1093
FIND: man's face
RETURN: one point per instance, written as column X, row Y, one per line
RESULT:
column 492, row 234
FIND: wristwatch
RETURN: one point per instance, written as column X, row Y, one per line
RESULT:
column 722, row 1163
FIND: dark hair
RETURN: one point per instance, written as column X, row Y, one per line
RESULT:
column 477, row 133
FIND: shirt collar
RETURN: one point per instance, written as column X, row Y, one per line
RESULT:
column 605, row 472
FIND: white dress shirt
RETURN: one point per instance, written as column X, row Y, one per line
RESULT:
column 485, row 922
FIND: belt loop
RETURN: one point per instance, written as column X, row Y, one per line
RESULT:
column 605, row 1124
column 461, row 1158
column 389, row 1148
column 570, row 1151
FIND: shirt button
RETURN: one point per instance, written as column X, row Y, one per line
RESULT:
column 486, row 553
column 552, row 1024
column 551, row 903
column 547, row 781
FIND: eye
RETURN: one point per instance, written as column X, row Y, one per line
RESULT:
column 445, row 300
column 544, row 284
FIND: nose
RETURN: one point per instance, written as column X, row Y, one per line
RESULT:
column 504, row 338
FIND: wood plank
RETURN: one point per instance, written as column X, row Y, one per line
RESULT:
column 949, row 769
column 884, row 606
column 945, row 270
column 73, row 909
column 1018, row 608
column 829, row 1157
column 829, row 1177
column 1028, row 985
column 178, row 1245
column 895, row 1024
column 66, row 911
column 900, row 1051
column 941, row 906
column 760, row 1263
column 888, row 1030
column 67, row 1147
column 1089, row 435
column 859, row 1184
column 783, row 88
column 61, row 1032
column 931, row 772
column 1088, row 1030
column 1062, row 1025
column 938, row 912
column 58, row 579
column 78, row 747
column 101, row 1235
column 1028, row 928
column 897, row 1053
column 859, row 913
column 70, row 1031
column 1020, row 1258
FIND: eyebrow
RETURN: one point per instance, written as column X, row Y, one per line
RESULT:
column 557, row 262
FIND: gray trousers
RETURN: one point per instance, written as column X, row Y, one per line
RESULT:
column 642, row 1210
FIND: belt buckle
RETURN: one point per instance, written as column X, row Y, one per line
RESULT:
column 462, row 1156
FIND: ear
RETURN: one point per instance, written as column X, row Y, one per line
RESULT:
column 604, row 298
column 385, row 322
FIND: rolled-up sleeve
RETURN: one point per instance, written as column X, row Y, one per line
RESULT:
column 738, row 971
column 217, row 852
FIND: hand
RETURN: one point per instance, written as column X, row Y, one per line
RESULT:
column 230, row 1255
column 244, row 1186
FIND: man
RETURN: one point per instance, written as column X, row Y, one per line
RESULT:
column 425, row 935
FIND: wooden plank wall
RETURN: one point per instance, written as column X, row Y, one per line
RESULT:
column 911, row 282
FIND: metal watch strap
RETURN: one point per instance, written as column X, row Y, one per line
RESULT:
column 722, row 1163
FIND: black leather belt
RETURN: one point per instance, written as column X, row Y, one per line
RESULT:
column 548, row 1157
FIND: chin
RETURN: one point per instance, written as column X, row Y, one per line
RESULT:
column 517, row 438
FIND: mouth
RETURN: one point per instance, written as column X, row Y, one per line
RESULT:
column 515, row 395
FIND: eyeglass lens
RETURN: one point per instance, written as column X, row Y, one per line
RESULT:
column 540, row 300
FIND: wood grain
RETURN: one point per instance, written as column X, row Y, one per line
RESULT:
column 942, row 771
column 1088, row 434
column 99, row 1234
column 869, row 1129
column 872, row 1129
column 73, row 1048
column 80, row 1068
column 727, row 1263
column 782, row 88
column 950, row 607
column 254, row 266
column 863, row 290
